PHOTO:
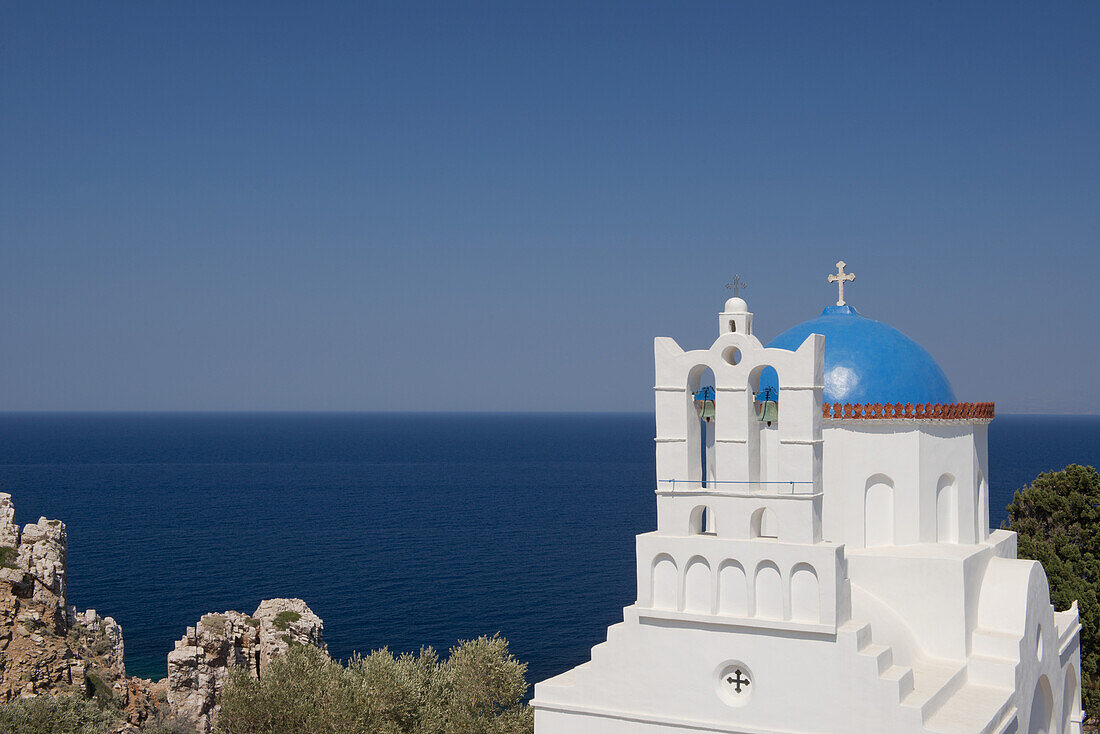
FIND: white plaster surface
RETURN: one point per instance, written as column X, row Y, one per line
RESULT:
column 845, row 567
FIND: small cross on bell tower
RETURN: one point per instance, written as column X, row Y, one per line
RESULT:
column 736, row 285
column 735, row 317
column 839, row 278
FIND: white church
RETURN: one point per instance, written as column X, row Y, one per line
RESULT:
column 823, row 560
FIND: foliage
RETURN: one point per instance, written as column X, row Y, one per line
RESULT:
column 1057, row 520
column 8, row 556
column 284, row 619
column 101, row 692
column 167, row 724
column 55, row 715
column 479, row 689
column 102, row 646
column 213, row 621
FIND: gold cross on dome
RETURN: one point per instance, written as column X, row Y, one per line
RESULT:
column 839, row 277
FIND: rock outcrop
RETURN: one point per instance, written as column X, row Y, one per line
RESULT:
column 33, row 563
column 286, row 622
column 46, row 646
column 198, row 667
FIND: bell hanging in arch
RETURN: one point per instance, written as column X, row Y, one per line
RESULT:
column 704, row 403
column 768, row 405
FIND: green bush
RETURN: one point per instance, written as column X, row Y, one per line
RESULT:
column 100, row 691
column 213, row 621
column 1057, row 519
column 8, row 556
column 168, row 724
column 101, row 646
column 284, row 619
column 479, row 689
column 55, row 715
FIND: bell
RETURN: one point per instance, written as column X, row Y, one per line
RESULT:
column 704, row 403
column 768, row 409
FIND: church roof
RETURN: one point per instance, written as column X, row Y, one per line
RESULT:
column 867, row 361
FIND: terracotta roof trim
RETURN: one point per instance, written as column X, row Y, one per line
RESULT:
column 920, row 411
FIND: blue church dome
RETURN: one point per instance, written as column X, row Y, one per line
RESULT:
column 867, row 361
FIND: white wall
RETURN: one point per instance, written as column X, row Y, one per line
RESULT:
column 736, row 361
column 915, row 458
column 835, row 598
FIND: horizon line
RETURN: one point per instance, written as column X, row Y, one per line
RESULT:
column 280, row 411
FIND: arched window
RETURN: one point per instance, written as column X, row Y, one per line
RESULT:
column 878, row 523
column 769, row 591
column 763, row 524
column 766, row 396
column 702, row 521
column 733, row 589
column 1071, row 702
column 805, row 599
column 702, row 415
column 697, row 594
column 947, row 510
column 666, row 582
column 982, row 511
column 1042, row 709
column 763, row 424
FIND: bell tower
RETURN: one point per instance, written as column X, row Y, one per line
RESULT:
column 737, row 360
column 760, row 507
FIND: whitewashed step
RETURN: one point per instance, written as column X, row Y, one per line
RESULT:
column 994, row 672
column 562, row 680
column 881, row 654
column 990, row 643
column 902, row 677
column 582, row 674
column 972, row 709
column 598, row 652
column 859, row 632
column 615, row 630
column 1009, row 724
column 934, row 682
column 899, row 677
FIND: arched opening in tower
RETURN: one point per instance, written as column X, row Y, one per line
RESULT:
column 705, row 408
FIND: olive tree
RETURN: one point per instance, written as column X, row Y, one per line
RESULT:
column 1057, row 519
column 478, row 689
column 66, row 714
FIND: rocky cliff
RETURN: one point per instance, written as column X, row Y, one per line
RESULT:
column 48, row 647
column 199, row 665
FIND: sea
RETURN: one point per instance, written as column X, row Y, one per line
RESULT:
column 400, row 530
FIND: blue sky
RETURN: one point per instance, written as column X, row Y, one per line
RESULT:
column 497, row 206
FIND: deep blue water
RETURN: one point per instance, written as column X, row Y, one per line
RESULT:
column 398, row 530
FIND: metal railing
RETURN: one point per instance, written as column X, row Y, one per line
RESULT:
column 750, row 487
